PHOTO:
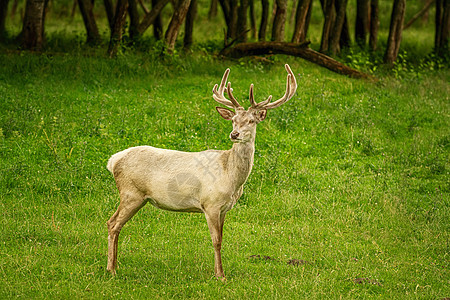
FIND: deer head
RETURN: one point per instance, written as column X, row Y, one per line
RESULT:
column 245, row 121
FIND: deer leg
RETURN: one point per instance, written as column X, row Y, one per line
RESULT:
column 130, row 204
column 215, row 221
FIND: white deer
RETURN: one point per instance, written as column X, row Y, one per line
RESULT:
column 208, row 182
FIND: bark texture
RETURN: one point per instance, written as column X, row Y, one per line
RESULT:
column 395, row 31
column 175, row 24
column 279, row 21
column 86, row 6
column 301, row 19
column 32, row 35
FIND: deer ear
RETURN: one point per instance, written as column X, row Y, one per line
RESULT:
column 260, row 115
column 225, row 113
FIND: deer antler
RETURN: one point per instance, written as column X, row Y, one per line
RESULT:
column 291, row 87
column 218, row 93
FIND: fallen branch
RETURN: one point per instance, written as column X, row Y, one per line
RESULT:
column 294, row 49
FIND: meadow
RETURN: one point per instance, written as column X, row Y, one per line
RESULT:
column 348, row 196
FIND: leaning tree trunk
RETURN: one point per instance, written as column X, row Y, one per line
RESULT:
column 279, row 21
column 395, row 31
column 264, row 18
column 362, row 22
column 86, row 6
column 3, row 13
column 341, row 6
column 116, row 30
column 175, row 23
column 374, row 24
column 152, row 16
column 442, row 20
column 32, row 35
column 300, row 20
column 189, row 25
column 328, row 11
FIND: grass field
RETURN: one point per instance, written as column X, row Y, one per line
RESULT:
column 350, row 182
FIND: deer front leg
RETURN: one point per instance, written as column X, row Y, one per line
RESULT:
column 215, row 221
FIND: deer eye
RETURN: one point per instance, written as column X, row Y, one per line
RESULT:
column 251, row 121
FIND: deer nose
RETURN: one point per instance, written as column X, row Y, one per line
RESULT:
column 234, row 135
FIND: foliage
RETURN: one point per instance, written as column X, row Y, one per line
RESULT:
column 350, row 182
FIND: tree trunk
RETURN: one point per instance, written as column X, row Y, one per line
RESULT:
column 32, row 35
column 109, row 8
column 293, row 12
column 152, row 17
column 116, row 31
column 158, row 22
column 3, row 13
column 329, row 15
column 93, row 36
column 345, row 41
column 300, row 20
column 395, row 31
column 279, row 21
column 230, row 12
column 341, row 7
column 242, row 21
column 441, row 41
column 134, row 20
column 189, row 25
column 264, row 18
column 362, row 22
column 252, row 19
column 212, row 13
column 374, row 24
column 294, row 49
column 175, row 23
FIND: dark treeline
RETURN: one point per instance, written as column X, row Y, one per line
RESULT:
column 242, row 22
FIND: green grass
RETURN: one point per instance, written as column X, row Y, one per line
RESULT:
column 351, row 177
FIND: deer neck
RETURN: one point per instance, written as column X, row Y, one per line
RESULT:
column 240, row 162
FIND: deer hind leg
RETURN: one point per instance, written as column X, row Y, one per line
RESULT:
column 130, row 203
column 215, row 221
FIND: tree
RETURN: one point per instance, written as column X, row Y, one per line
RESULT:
column 362, row 22
column 189, row 24
column 3, row 13
column 301, row 21
column 279, row 21
column 230, row 13
column 341, row 6
column 32, row 35
column 329, row 15
column 116, row 30
column 264, row 18
column 395, row 31
column 175, row 24
column 158, row 23
column 242, row 21
column 109, row 8
column 86, row 6
column 374, row 24
column 442, row 20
